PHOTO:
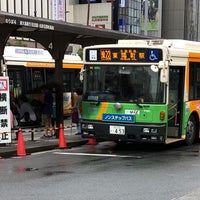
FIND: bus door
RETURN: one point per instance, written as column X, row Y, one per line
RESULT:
column 176, row 88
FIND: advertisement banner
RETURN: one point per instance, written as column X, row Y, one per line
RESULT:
column 150, row 15
column 58, row 10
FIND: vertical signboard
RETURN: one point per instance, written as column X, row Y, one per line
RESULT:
column 5, row 122
column 58, row 10
column 151, row 17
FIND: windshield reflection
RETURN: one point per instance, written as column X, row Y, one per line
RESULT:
column 137, row 84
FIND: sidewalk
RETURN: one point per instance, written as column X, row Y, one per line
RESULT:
column 39, row 144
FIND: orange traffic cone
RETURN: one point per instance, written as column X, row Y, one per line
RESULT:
column 20, row 144
column 92, row 141
column 62, row 142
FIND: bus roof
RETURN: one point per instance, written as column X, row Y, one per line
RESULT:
column 26, row 54
column 171, row 43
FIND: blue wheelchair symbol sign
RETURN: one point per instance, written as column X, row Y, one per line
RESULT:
column 153, row 55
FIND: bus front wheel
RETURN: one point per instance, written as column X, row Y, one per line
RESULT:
column 190, row 131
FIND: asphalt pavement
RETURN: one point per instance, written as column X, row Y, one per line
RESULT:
column 38, row 143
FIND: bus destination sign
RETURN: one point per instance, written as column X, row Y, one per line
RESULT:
column 123, row 55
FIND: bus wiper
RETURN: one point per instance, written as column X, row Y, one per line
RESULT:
column 138, row 102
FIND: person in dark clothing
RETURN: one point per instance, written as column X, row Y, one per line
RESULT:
column 78, row 107
column 47, row 111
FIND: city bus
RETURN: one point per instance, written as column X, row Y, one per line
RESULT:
column 142, row 91
column 30, row 68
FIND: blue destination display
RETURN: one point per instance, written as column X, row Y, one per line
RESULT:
column 124, row 55
column 118, row 118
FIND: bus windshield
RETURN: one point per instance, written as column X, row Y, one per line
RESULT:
column 123, row 84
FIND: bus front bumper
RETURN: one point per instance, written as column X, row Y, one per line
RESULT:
column 138, row 132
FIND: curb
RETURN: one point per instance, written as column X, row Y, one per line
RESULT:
column 44, row 147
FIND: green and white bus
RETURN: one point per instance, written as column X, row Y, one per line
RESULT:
column 142, row 91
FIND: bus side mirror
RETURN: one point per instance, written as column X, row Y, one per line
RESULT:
column 164, row 72
column 81, row 73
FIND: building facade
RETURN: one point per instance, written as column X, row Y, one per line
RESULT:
column 157, row 18
column 181, row 19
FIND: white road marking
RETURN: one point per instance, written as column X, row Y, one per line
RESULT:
column 194, row 195
column 97, row 155
column 42, row 152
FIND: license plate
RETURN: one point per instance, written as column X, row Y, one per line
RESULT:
column 117, row 130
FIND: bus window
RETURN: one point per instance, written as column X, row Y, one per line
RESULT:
column 176, row 86
column 35, row 79
column 194, row 89
column 16, row 82
column 49, row 77
column 67, row 82
column 125, row 84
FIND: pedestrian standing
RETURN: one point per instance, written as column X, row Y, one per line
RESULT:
column 47, row 111
column 78, row 108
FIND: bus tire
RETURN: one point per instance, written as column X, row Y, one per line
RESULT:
column 191, row 130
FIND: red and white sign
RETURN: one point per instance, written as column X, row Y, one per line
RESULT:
column 5, row 113
column 3, row 84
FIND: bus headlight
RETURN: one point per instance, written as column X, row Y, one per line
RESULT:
column 146, row 130
column 150, row 130
column 154, row 130
column 90, row 126
column 87, row 126
column 84, row 126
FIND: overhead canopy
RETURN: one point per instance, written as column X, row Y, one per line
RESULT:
column 42, row 29
column 55, row 36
